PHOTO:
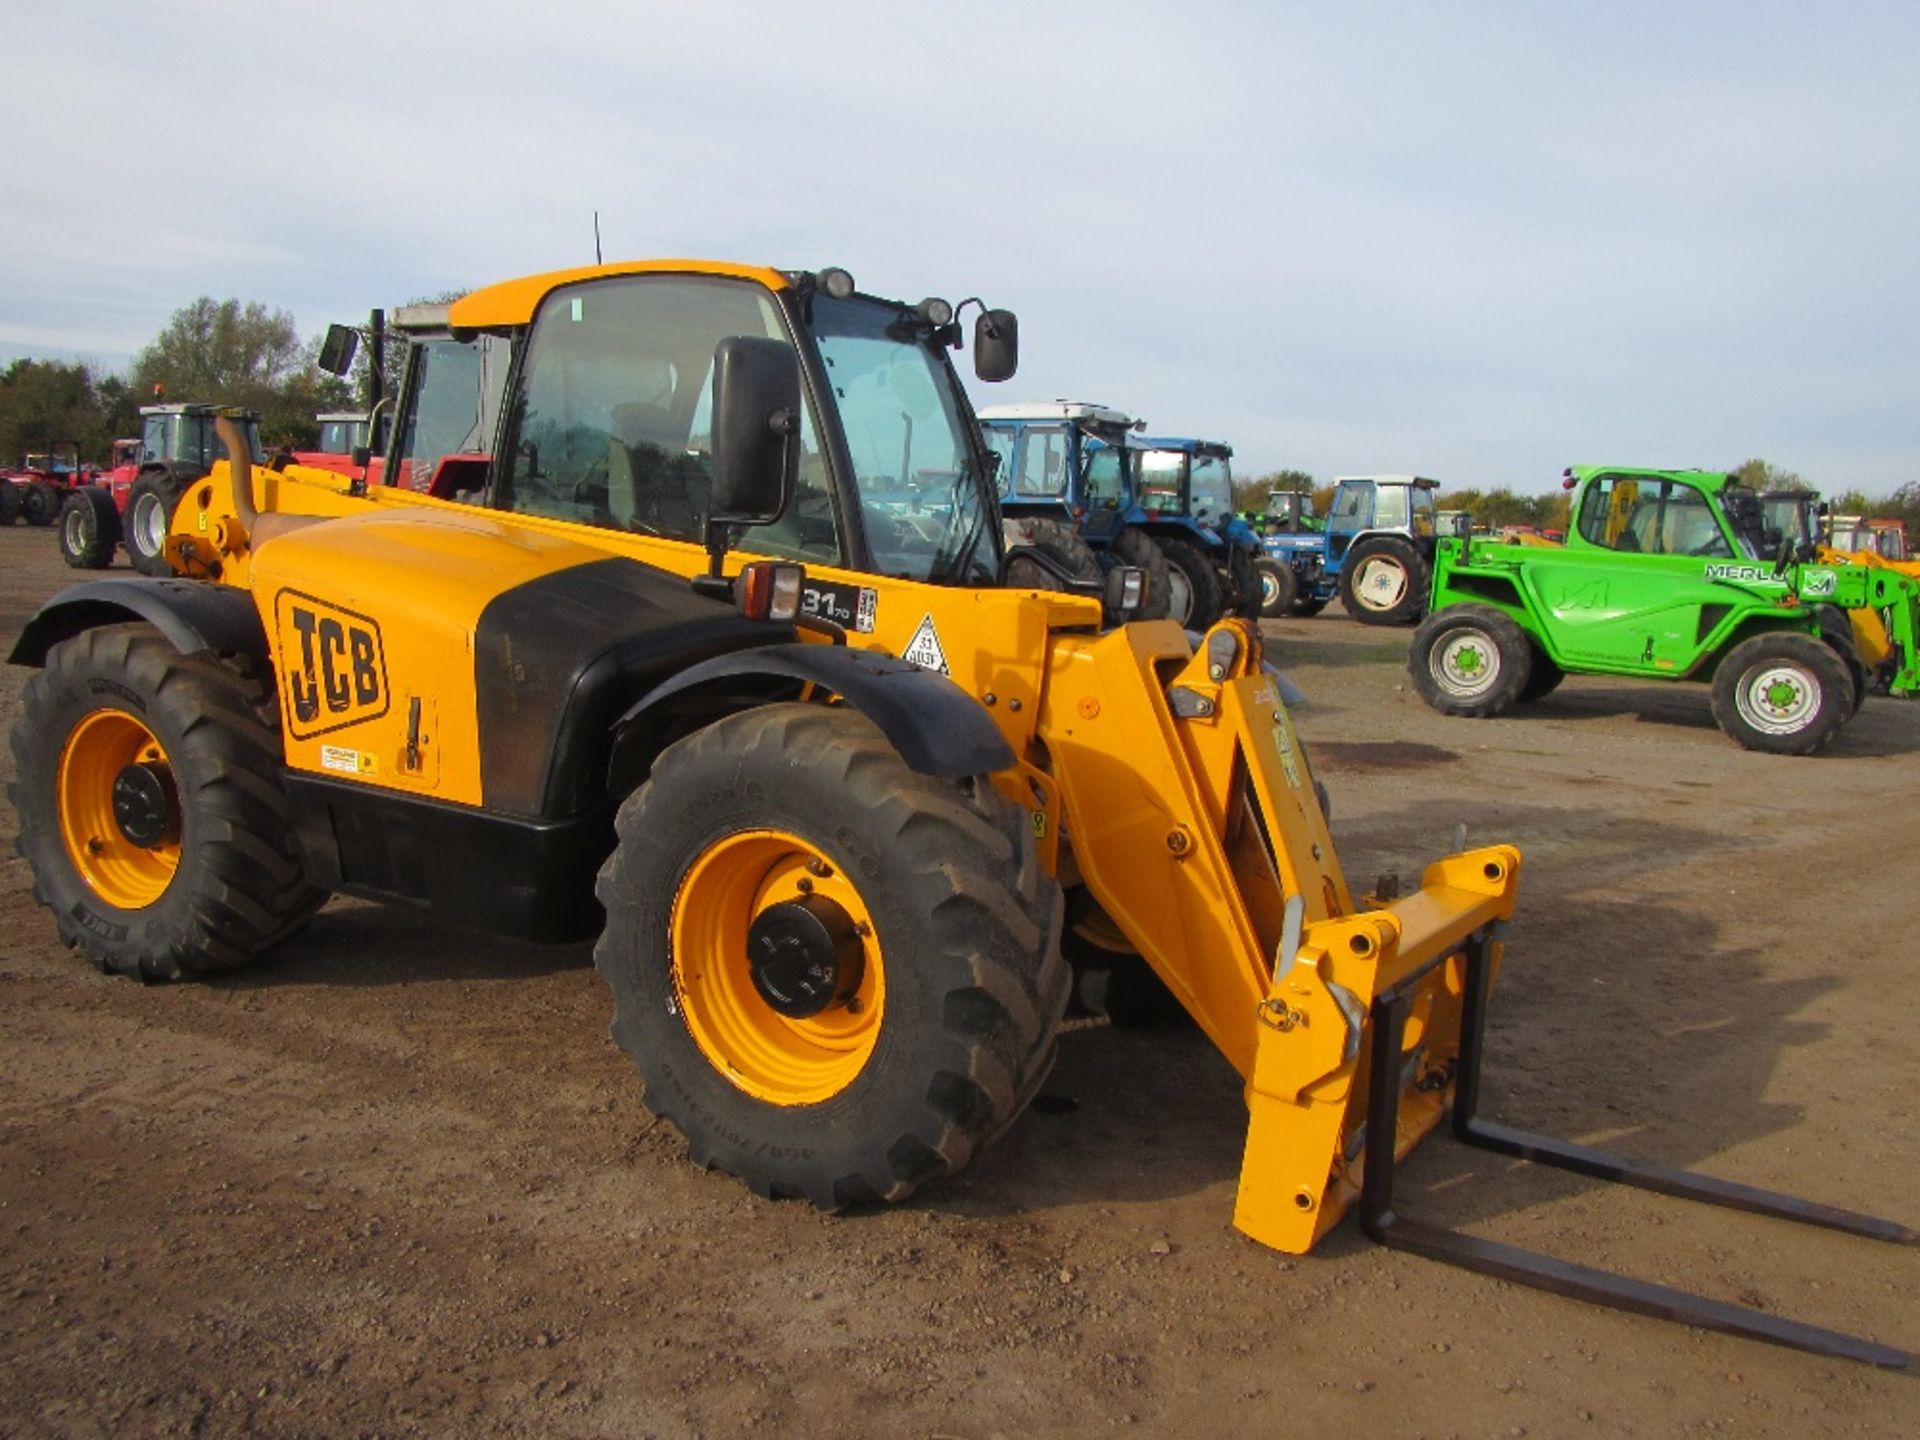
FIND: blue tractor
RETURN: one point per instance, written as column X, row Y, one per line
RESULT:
column 1292, row 564
column 1375, row 554
column 1070, row 478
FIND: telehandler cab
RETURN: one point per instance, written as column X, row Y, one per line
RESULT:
column 826, row 845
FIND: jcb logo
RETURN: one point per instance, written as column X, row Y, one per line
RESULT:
column 332, row 668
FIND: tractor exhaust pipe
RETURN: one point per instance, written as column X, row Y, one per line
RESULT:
column 239, row 468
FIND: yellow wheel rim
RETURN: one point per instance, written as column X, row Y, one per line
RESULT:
column 771, row 1056
column 125, row 875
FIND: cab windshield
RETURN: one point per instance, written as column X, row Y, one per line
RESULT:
column 1210, row 488
column 916, row 466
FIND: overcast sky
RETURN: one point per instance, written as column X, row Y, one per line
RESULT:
column 1478, row 241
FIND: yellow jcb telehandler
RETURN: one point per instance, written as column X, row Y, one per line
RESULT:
column 674, row 621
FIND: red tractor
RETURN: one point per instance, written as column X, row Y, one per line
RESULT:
column 33, row 492
column 132, row 502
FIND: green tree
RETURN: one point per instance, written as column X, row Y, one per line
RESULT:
column 1251, row 494
column 44, row 403
column 1758, row 474
column 232, row 353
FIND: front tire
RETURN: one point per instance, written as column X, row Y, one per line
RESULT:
column 837, row 977
column 1384, row 581
column 1279, row 587
column 1193, row 588
column 1469, row 660
column 89, row 529
column 1783, row 693
column 151, row 808
column 150, row 506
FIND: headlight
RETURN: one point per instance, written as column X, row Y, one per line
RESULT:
column 836, row 282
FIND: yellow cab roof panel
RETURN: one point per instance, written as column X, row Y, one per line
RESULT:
column 512, row 302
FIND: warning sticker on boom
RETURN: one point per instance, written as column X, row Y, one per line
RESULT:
column 924, row 649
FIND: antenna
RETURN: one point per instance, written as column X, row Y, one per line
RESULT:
column 596, row 239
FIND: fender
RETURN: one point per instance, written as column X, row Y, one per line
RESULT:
column 194, row 615
column 938, row 728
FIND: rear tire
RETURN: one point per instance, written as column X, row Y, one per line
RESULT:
column 1058, row 542
column 1469, row 660
column 1136, row 547
column 1783, row 693
column 1279, row 587
column 1543, row 676
column 222, row 881
column 1193, row 585
column 958, row 974
column 1383, row 581
column 89, row 529
column 150, row 506
column 9, row 502
column 40, row 504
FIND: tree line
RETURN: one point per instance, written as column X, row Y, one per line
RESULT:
column 224, row 352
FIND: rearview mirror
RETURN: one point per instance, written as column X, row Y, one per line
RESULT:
column 338, row 349
column 756, row 428
column 996, row 345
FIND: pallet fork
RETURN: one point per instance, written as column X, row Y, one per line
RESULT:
column 1382, row 1223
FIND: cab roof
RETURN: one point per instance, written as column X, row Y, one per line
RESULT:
column 1422, row 481
column 1191, row 446
column 1056, row 410
column 512, row 302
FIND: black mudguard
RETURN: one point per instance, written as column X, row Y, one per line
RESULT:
column 938, row 728
column 193, row 614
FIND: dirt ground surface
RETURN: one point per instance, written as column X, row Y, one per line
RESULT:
column 396, row 1179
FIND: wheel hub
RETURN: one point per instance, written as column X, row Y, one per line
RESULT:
column 145, row 805
column 805, row 956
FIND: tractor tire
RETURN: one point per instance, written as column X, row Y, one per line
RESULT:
column 837, row 977
column 151, row 808
column 40, row 504
column 1469, row 660
column 1244, row 591
column 1543, row 676
column 1383, row 581
column 89, row 529
column 1193, row 589
column 1307, row 609
column 1136, row 547
column 1057, row 541
column 150, row 506
column 1783, row 693
column 1279, row 587
column 9, row 502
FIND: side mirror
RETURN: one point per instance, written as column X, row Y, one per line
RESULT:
column 996, row 345
column 756, row 430
column 338, row 349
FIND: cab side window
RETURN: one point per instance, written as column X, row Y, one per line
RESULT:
column 1043, row 461
column 610, row 423
column 451, row 414
column 1105, row 482
column 1650, row 517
